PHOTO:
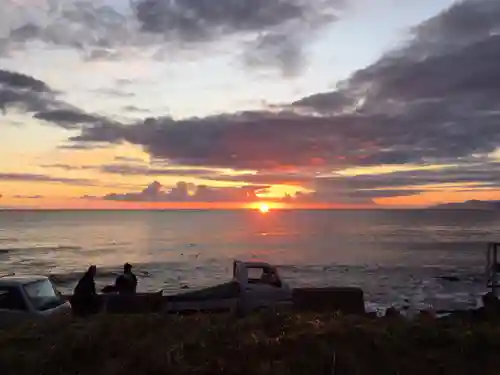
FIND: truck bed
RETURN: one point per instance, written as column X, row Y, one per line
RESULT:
column 224, row 291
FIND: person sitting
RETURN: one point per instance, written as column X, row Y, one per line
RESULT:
column 269, row 277
column 126, row 283
column 85, row 300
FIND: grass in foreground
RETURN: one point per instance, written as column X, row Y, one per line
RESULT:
column 267, row 343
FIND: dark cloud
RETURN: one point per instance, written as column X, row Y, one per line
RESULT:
column 45, row 178
column 82, row 146
column 69, row 119
column 28, row 196
column 114, row 92
column 22, row 81
column 298, row 178
column 92, row 28
column 362, row 188
column 414, row 105
column 250, row 140
column 68, row 167
column 184, row 192
column 201, row 19
column 462, row 24
column 134, row 109
column 24, row 92
column 279, row 27
column 479, row 174
column 129, row 159
column 351, row 196
column 137, row 170
column 325, row 102
column 28, row 94
column 476, row 176
column 279, row 50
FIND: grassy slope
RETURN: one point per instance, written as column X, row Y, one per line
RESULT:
column 262, row 344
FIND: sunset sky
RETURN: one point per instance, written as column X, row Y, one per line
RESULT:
column 227, row 103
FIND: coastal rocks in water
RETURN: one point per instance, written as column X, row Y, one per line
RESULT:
column 427, row 315
column 392, row 312
column 406, row 304
column 490, row 311
column 491, row 303
column 450, row 278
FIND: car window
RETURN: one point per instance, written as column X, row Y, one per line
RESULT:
column 12, row 299
column 263, row 275
column 42, row 294
column 254, row 273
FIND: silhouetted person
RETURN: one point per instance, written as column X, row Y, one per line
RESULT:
column 269, row 277
column 85, row 300
column 126, row 283
column 491, row 304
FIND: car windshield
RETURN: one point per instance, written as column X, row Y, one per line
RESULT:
column 42, row 294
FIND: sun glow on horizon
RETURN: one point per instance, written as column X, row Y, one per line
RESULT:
column 264, row 208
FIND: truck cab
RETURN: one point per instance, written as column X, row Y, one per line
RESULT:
column 260, row 285
column 28, row 297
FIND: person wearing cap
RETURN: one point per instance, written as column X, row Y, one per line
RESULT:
column 126, row 283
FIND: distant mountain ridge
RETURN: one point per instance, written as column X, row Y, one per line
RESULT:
column 471, row 205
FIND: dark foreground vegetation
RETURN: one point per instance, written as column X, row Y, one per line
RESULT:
column 266, row 343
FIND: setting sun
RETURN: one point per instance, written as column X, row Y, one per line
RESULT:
column 264, row 208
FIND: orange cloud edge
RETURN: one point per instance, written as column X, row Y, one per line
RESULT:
column 102, row 205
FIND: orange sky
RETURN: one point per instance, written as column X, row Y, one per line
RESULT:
column 57, row 195
column 250, row 110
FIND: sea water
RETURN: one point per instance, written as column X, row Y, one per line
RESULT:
column 415, row 258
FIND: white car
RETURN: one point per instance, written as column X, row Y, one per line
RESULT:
column 28, row 297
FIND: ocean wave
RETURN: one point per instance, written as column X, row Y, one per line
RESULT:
column 462, row 277
column 40, row 248
column 102, row 275
column 70, row 277
column 8, row 239
column 424, row 245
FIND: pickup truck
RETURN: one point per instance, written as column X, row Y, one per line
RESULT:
column 25, row 298
column 254, row 285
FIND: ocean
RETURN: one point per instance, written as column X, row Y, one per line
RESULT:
column 415, row 258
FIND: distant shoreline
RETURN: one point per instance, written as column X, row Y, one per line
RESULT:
column 433, row 208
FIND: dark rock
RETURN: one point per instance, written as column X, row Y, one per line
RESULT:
column 392, row 312
column 344, row 300
column 491, row 304
column 427, row 315
column 450, row 278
